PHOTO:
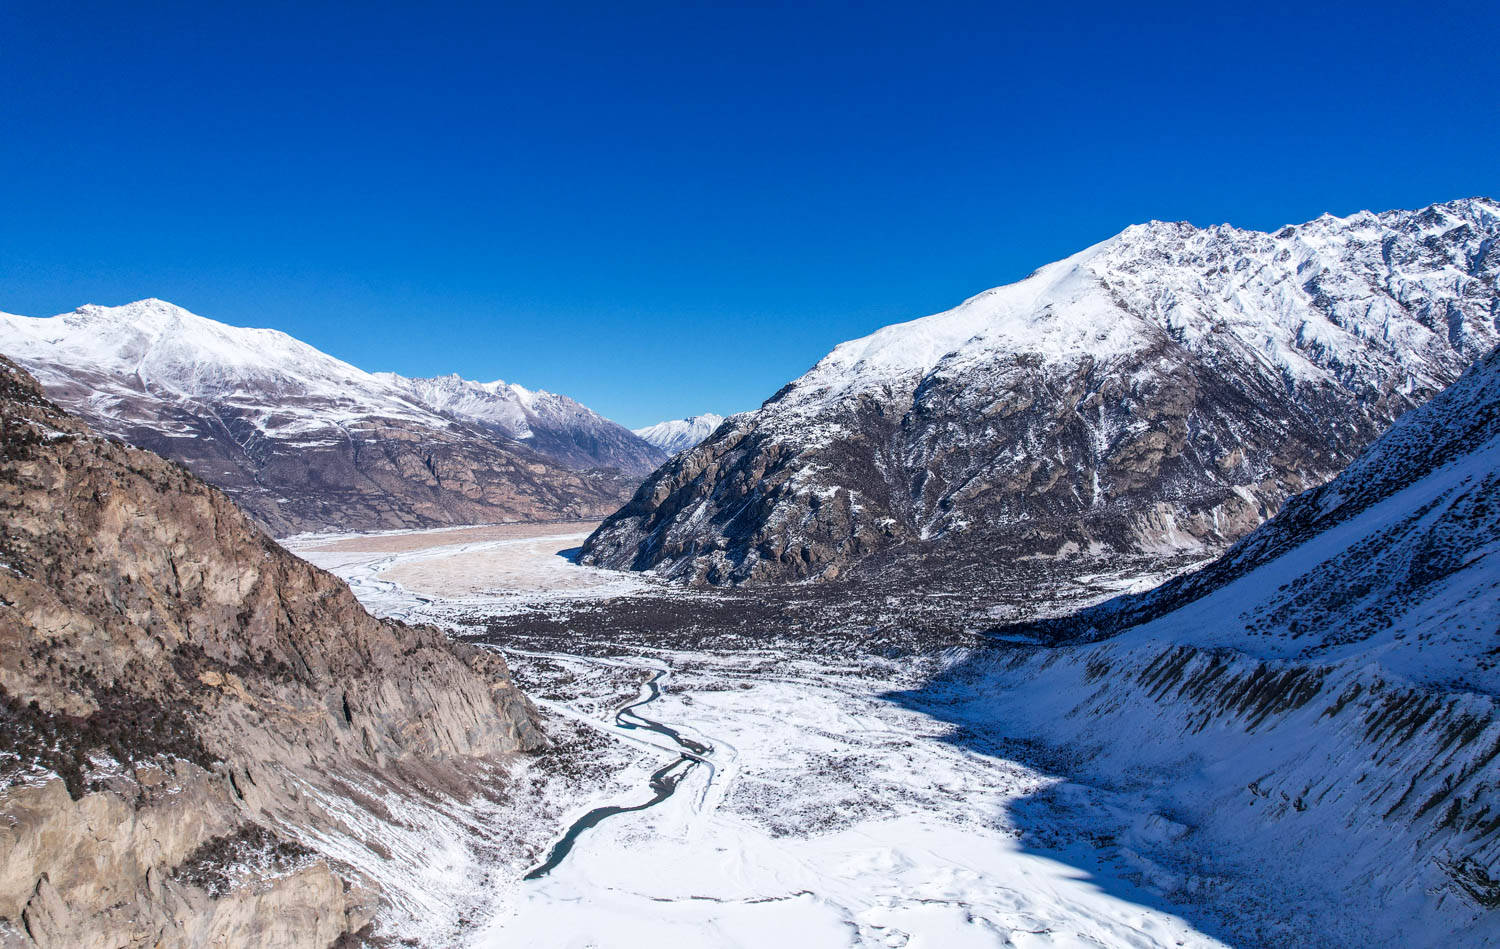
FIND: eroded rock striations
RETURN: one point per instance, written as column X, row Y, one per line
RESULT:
column 1314, row 718
column 1165, row 390
column 303, row 441
column 183, row 704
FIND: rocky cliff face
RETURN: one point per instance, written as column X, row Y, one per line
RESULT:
column 1316, row 714
column 304, row 441
column 183, row 701
column 1162, row 391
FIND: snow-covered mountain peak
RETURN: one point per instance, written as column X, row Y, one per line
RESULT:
column 1304, row 300
column 454, row 386
column 155, row 346
column 548, row 421
column 150, row 312
column 676, row 435
column 1056, row 310
column 498, row 403
column 152, row 319
column 148, row 309
column 308, row 440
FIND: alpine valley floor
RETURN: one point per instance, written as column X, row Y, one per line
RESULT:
column 758, row 776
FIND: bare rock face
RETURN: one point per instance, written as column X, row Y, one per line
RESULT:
column 176, row 689
column 1164, row 391
column 303, row 441
column 146, row 861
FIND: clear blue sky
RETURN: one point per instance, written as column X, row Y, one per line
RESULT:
column 665, row 209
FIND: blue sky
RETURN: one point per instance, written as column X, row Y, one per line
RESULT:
column 663, row 209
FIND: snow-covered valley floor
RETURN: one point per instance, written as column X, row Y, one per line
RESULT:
column 799, row 802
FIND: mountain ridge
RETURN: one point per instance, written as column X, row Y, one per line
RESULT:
column 1163, row 390
column 1448, row 445
column 547, row 422
column 306, row 441
column 186, row 709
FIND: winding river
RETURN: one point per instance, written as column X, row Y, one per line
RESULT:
column 663, row 783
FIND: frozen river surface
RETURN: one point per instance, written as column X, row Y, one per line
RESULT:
column 788, row 800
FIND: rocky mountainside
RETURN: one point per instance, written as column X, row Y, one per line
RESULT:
column 304, row 441
column 1165, row 390
column 551, row 424
column 1320, row 706
column 679, row 435
column 188, row 712
column 1405, row 532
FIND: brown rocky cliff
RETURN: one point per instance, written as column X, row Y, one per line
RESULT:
column 188, row 680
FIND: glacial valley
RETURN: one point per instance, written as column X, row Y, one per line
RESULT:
column 824, row 805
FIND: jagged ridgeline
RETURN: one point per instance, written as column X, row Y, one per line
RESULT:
column 185, row 706
column 1163, row 391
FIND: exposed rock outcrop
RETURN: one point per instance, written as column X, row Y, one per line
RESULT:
column 180, row 698
column 1165, row 390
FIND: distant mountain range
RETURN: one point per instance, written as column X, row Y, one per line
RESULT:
column 1162, row 391
column 305, row 441
column 681, row 434
column 554, row 425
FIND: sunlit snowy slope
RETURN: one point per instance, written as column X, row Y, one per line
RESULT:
column 1164, row 390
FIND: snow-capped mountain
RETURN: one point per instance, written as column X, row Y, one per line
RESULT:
column 306, row 441
column 552, row 424
column 1319, row 708
column 1164, row 390
column 678, row 435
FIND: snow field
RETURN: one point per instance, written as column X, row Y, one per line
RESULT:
column 827, row 815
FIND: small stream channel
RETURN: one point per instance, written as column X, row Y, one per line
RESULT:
column 664, row 780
